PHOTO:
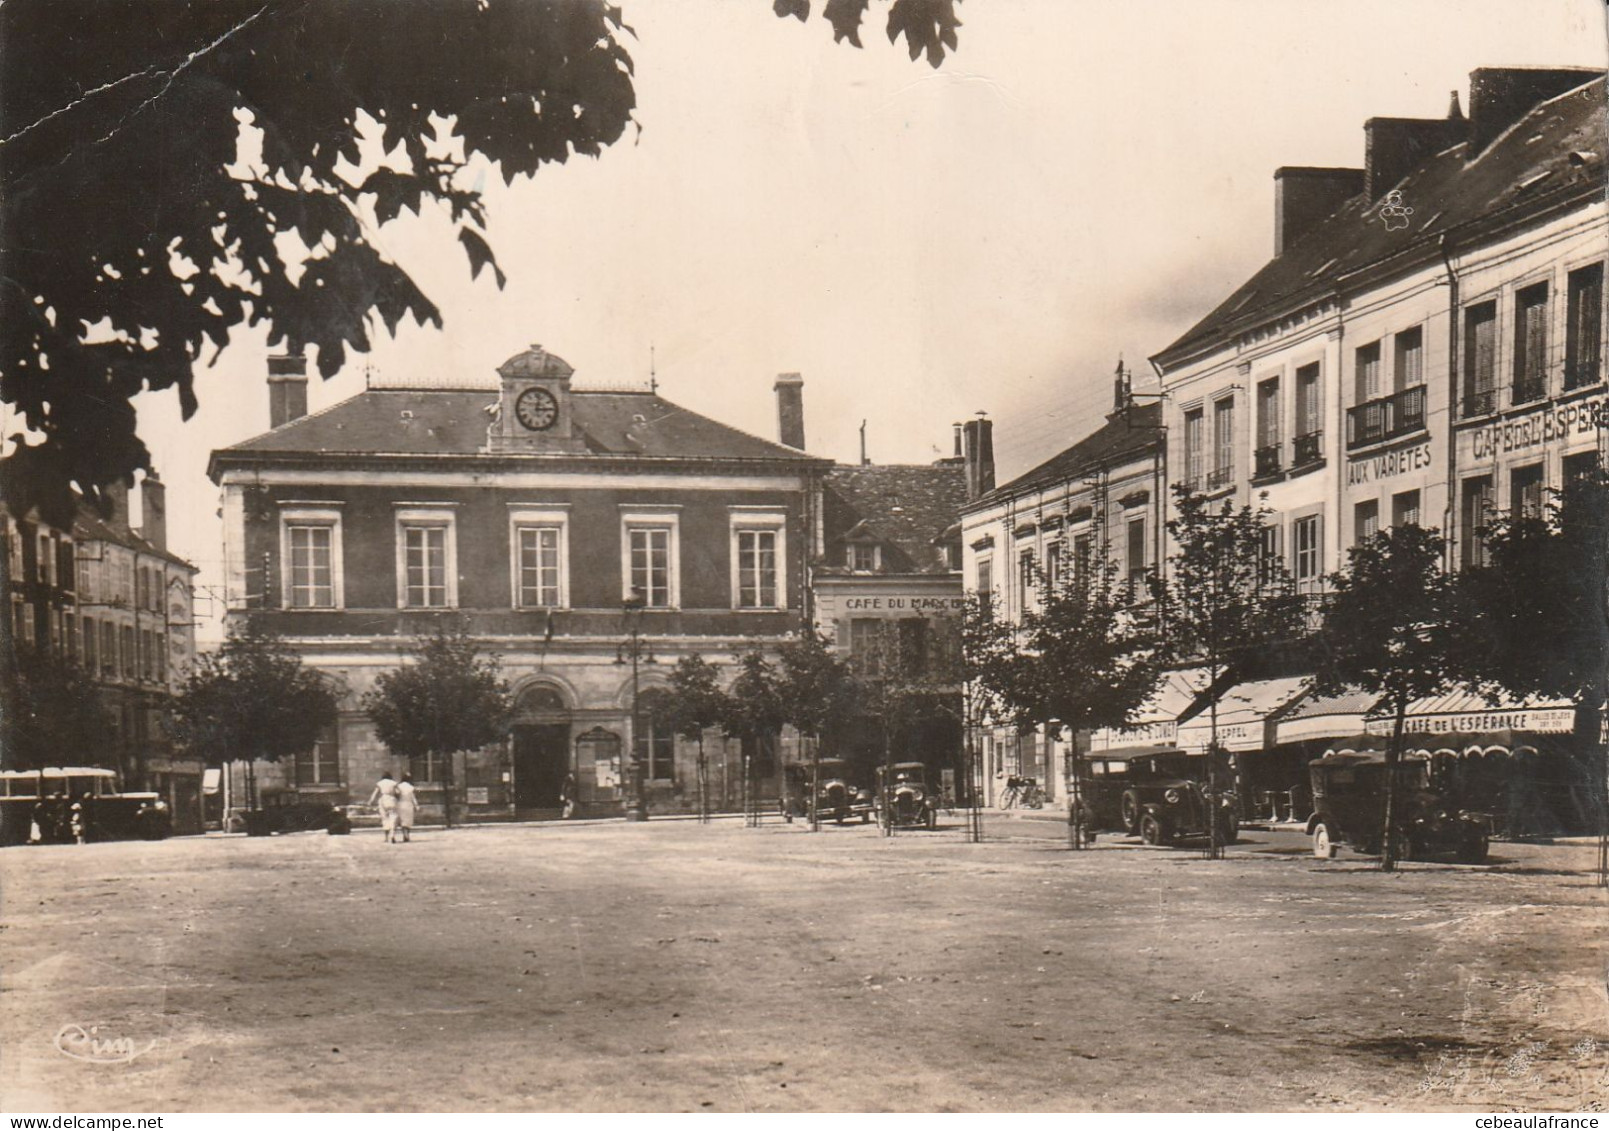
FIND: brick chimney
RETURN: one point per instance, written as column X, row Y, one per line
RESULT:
column 1501, row 96
column 1304, row 196
column 790, row 409
column 1395, row 147
column 154, row 511
column 979, row 438
column 287, row 389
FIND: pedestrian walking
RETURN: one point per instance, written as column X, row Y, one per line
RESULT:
column 384, row 798
column 407, row 806
column 567, row 797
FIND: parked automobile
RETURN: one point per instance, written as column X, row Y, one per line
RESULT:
column 42, row 802
column 837, row 798
column 1349, row 809
column 1159, row 796
column 290, row 817
column 905, row 798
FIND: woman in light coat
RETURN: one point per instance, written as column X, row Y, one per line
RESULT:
column 407, row 806
column 384, row 798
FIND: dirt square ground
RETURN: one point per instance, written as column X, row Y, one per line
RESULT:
column 678, row 966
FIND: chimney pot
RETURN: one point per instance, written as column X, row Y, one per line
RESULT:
column 1305, row 196
column 154, row 510
column 287, row 389
column 789, row 388
column 979, row 434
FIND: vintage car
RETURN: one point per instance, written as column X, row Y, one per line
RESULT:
column 905, row 798
column 1159, row 795
column 54, row 803
column 1349, row 808
column 836, row 798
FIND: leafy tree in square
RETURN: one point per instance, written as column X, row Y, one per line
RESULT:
column 755, row 716
column 51, row 713
column 1392, row 627
column 250, row 700
column 1225, row 597
column 1087, row 656
column 445, row 698
column 174, row 169
column 697, row 703
column 816, row 691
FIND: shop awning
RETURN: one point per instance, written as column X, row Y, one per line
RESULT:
column 1156, row 723
column 1324, row 716
column 1243, row 715
column 1466, row 713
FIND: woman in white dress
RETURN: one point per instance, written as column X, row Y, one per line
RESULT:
column 385, row 798
column 407, row 806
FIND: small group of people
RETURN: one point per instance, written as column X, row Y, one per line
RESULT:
column 58, row 819
column 398, row 804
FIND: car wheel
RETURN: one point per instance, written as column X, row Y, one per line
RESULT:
column 1473, row 850
column 1131, row 812
column 1323, row 847
column 1151, row 830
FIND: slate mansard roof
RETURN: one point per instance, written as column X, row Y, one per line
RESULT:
column 424, row 424
column 907, row 508
column 1549, row 161
column 1130, row 434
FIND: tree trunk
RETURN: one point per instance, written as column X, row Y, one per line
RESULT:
column 1214, row 848
column 815, row 784
column 1388, row 835
column 703, row 783
column 1071, row 774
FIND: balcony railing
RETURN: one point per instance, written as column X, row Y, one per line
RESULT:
column 1482, row 402
column 1309, row 448
column 1581, row 372
column 1528, row 390
column 1220, row 477
column 1386, row 417
column 1268, row 459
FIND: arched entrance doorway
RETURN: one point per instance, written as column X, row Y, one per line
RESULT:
column 540, row 737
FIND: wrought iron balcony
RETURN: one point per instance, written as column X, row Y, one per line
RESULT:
column 1528, row 390
column 1582, row 372
column 1220, row 477
column 1309, row 448
column 1482, row 402
column 1268, row 458
column 1385, row 418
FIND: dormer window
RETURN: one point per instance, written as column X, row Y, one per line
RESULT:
column 864, row 557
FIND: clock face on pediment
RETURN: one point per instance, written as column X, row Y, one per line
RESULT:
column 536, row 409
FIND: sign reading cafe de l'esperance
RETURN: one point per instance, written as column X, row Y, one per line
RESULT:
column 1549, row 425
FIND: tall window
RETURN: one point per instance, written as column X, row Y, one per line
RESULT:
column 1305, row 533
column 1268, row 426
column 1525, row 491
column 1365, row 520
column 91, row 651
column 1530, row 343
column 312, row 578
column 1223, row 442
column 1309, row 407
column 985, row 577
column 538, row 566
column 757, row 569
column 1194, row 452
column 1083, row 547
column 69, row 634
column 130, row 668
column 1475, row 511
column 1583, row 347
column 1368, row 372
column 1025, row 577
column 429, row 767
column 321, row 764
column 650, row 564
column 108, row 648
column 912, row 635
column 1135, row 565
column 425, row 564
column 1405, row 509
column 1582, row 465
column 866, row 646
column 1053, row 564
column 653, row 736
column 1480, row 359
column 1409, row 369
column 1269, row 560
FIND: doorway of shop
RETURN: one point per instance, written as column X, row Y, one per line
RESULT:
column 541, row 759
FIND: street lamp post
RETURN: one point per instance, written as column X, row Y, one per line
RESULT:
column 634, row 651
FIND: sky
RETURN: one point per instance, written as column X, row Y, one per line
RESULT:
column 1081, row 181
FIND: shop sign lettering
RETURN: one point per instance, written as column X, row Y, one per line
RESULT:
column 903, row 604
column 1538, row 429
column 1550, row 721
column 1387, row 465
